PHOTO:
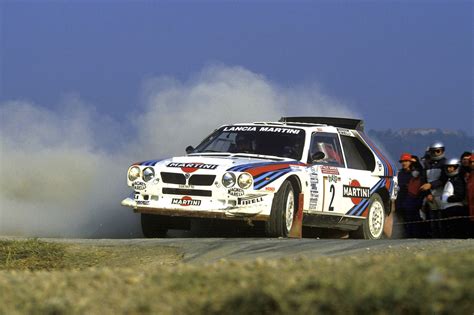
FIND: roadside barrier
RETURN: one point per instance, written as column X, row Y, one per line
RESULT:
column 435, row 220
column 297, row 227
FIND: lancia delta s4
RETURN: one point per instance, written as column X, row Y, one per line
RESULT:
column 265, row 171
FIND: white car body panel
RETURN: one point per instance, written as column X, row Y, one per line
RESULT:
column 327, row 190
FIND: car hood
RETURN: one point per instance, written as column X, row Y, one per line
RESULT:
column 210, row 163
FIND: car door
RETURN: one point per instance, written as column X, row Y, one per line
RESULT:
column 358, row 180
column 326, row 158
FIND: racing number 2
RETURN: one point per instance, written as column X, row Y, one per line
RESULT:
column 332, row 189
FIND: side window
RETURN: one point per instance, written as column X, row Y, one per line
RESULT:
column 358, row 156
column 328, row 143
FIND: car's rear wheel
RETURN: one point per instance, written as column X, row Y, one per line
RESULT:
column 283, row 209
column 154, row 225
column 372, row 227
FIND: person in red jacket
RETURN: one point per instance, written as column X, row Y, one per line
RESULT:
column 410, row 198
column 470, row 195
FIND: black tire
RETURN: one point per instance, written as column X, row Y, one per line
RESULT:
column 277, row 226
column 154, row 226
column 372, row 226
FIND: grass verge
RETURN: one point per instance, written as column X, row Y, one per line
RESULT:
column 439, row 283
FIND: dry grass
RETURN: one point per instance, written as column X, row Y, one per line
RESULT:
column 438, row 283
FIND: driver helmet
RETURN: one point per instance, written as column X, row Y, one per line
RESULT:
column 434, row 148
column 243, row 140
column 452, row 162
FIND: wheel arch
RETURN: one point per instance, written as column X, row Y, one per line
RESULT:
column 295, row 182
column 297, row 187
column 384, row 194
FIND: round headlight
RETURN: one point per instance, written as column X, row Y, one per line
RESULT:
column 245, row 180
column 228, row 180
column 148, row 174
column 133, row 173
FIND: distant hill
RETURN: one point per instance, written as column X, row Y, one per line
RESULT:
column 416, row 140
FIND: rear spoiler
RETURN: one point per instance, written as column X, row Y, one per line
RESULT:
column 349, row 123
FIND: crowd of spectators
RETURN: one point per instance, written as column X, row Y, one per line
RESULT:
column 436, row 195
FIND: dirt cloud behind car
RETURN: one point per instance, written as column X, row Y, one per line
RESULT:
column 62, row 172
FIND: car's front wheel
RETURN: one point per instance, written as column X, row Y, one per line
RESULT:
column 153, row 225
column 372, row 227
column 283, row 209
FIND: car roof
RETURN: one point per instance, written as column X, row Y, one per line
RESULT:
column 311, row 122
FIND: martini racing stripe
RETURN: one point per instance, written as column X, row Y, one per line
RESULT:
column 262, row 177
column 241, row 168
column 358, row 209
column 361, row 210
column 271, row 178
column 251, row 166
column 148, row 163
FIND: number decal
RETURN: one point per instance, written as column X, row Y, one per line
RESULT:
column 333, row 190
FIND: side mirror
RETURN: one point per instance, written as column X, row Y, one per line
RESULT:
column 317, row 156
column 189, row 149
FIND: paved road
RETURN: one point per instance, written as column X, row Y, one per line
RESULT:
column 205, row 250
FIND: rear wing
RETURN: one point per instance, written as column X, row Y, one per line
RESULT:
column 348, row 123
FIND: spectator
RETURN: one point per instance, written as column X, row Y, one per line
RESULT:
column 409, row 199
column 436, row 178
column 453, row 196
column 414, row 186
column 465, row 161
column 470, row 195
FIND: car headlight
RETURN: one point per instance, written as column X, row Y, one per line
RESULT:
column 228, row 180
column 133, row 173
column 148, row 174
column 245, row 180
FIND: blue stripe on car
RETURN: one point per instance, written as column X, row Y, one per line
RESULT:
column 272, row 178
column 362, row 205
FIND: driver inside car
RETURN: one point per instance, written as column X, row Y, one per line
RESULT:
column 243, row 144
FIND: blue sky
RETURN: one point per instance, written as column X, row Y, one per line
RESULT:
column 398, row 63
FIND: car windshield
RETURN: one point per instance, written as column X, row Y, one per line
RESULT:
column 263, row 140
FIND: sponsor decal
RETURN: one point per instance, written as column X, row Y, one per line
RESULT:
column 271, row 189
column 379, row 165
column 355, row 192
column 186, row 201
column 263, row 129
column 186, row 186
column 139, row 186
column 143, row 202
column 247, row 202
column 345, row 132
column 314, row 192
column 329, row 170
column 333, row 178
column 236, row 192
column 192, row 167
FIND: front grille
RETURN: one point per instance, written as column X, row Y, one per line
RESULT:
column 187, row 192
column 203, row 180
column 173, row 178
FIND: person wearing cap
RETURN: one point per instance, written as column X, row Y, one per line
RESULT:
column 436, row 178
column 409, row 199
column 470, row 195
column 453, row 196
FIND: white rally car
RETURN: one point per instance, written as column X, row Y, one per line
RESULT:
column 262, row 171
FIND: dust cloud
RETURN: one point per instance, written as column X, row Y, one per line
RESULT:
column 62, row 172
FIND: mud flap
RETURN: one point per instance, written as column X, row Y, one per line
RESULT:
column 388, row 227
column 297, row 227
